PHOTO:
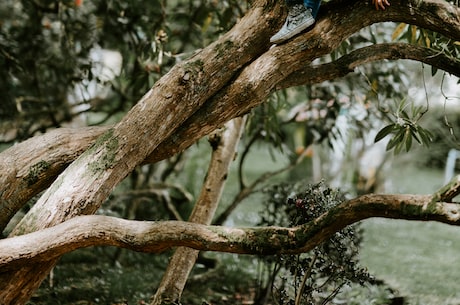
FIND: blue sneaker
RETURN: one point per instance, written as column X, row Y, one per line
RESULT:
column 299, row 18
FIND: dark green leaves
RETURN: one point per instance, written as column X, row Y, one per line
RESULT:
column 405, row 129
column 403, row 136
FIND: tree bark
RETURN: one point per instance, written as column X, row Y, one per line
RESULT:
column 223, row 81
column 30, row 167
column 224, row 145
column 154, row 237
column 87, row 182
column 44, row 247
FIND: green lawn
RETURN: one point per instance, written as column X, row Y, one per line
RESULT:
column 419, row 259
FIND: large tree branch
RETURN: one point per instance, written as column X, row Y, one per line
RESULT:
column 86, row 183
column 84, row 231
column 216, row 111
column 349, row 62
column 337, row 21
column 161, row 114
column 173, row 99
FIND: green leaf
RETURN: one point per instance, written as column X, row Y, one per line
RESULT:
column 408, row 138
column 384, row 132
column 404, row 115
column 397, row 139
column 425, row 136
column 414, row 130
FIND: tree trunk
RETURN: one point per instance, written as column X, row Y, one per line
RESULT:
column 224, row 145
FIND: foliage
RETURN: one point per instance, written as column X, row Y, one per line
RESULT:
column 60, row 73
column 315, row 277
column 405, row 128
column 415, row 35
column 444, row 126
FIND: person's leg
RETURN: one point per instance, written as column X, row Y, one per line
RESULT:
column 299, row 18
column 313, row 5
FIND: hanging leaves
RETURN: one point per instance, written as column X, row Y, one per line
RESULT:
column 404, row 129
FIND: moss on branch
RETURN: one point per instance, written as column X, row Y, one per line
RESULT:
column 85, row 231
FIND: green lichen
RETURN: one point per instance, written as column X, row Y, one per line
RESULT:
column 110, row 146
column 100, row 141
column 419, row 211
column 193, row 77
column 222, row 48
column 431, row 208
column 195, row 65
column 411, row 210
column 35, row 171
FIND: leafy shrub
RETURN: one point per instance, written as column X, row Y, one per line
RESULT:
column 315, row 277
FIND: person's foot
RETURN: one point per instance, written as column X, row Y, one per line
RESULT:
column 299, row 18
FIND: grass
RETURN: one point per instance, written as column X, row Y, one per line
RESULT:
column 419, row 259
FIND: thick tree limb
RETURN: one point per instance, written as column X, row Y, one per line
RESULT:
column 31, row 166
column 349, row 62
column 85, row 231
column 173, row 99
column 86, row 183
column 449, row 191
column 337, row 21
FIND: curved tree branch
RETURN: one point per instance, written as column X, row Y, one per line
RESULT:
column 391, row 51
column 337, row 21
column 436, row 15
column 64, row 145
column 84, row 231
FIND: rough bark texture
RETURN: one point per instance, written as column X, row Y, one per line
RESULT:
column 84, row 231
column 223, row 81
column 181, row 263
column 87, row 182
column 30, row 167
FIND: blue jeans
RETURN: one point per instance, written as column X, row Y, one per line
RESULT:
column 313, row 4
